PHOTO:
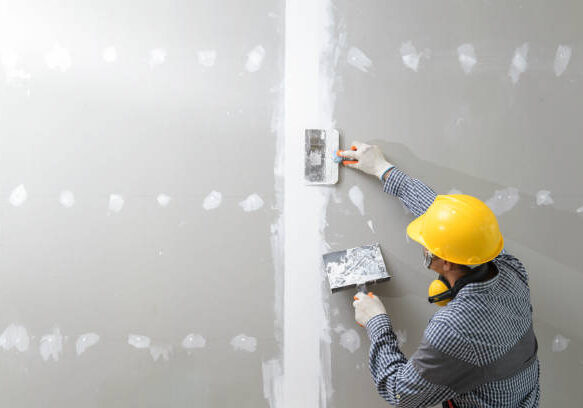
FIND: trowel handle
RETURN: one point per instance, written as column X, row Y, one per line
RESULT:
column 361, row 288
column 345, row 162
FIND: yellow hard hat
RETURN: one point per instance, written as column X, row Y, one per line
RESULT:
column 458, row 228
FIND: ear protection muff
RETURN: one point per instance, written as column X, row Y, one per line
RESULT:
column 441, row 293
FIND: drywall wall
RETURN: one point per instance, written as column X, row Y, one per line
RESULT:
column 118, row 121
column 157, row 245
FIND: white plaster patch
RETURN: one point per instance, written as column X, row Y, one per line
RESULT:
column 255, row 59
column 272, row 372
column 51, row 345
column 467, row 57
column 245, row 343
column 370, row 225
column 560, row 343
column 357, row 197
column 18, row 196
column 15, row 336
column 58, row 58
column 116, row 203
column 67, row 198
column 86, row 341
column 139, row 342
column 519, row 63
column 251, row 203
column 411, row 57
column 358, row 59
column 543, row 197
column 163, row 351
column 350, row 340
column 109, row 54
column 562, row 58
column 207, row 58
column 15, row 76
column 579, row 210
column 212, row 200
column 157, row 57
column 193, row 341
column 163, row 199
column 503, row 200
column 454, row 191
column 401, row 337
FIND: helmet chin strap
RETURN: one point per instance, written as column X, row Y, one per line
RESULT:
column 478, row 274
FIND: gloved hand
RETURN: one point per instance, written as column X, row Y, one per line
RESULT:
column 366, row 307
column 370, row 159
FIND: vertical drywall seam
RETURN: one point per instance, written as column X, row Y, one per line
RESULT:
column 307, row 104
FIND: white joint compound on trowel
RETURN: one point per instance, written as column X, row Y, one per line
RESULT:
column 355, row 266
column 320, row 149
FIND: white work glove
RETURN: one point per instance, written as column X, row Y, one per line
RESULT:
column 366, row 307
column 370, row 159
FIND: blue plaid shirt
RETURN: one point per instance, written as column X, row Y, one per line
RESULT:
column 482, row 323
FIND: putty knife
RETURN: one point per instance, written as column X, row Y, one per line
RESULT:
column 355, row 268
column 321, row 146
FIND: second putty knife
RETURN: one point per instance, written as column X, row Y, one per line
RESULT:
column 321, row 146
column 355, row 268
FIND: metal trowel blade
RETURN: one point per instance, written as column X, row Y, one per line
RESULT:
column 355, row 267
column 321, row 146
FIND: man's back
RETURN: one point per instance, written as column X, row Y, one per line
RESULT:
column 481, row 326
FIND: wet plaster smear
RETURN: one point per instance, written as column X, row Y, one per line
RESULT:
column 308, row 104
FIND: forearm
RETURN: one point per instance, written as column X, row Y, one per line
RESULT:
column 385, row 359
column 396, row 378
column 413, row 193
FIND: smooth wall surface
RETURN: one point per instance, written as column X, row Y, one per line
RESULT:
column 157, row 104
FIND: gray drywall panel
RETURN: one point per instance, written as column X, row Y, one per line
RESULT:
column 138, row 127
column 476, row 133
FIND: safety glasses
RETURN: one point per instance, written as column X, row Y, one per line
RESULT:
column 427, row 258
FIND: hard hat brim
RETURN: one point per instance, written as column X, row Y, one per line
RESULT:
column 414, row 230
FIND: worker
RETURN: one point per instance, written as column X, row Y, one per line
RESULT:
column 479, row 349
